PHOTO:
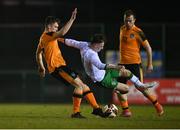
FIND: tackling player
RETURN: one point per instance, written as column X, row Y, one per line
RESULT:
column 105, row 75
column 49, row 50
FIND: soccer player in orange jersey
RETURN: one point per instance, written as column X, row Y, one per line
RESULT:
column 131, row 38
column 49, row 50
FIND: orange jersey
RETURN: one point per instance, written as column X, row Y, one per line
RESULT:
column 130, row 42
column 52, row 52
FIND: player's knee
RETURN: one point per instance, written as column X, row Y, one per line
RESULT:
column 85, row 87
column 78, row 82
column 126, row 73
column 125, row 90
column 79, row 87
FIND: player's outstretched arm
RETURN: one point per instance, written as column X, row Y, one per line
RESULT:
column 67, row 26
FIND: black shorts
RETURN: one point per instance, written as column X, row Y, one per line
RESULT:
column 64, row 74
column 136, row 69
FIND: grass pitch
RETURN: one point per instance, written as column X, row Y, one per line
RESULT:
column 57, row 116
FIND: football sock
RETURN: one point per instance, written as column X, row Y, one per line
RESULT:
column 151, row 97
column 76, row 102
column 123, row 101
column 124, row 105
column 135, row 80
column 91, row 99
column 155, row 103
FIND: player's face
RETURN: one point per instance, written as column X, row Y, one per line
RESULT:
column 53, row 27
column 129, row 21
column 99, row 46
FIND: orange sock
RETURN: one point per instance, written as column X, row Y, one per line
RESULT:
column 91, row 99
column 124, row 104
column 123, row 101
column 152, row 98
column 76, row 102
column 156, row 103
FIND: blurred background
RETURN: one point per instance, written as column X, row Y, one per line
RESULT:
column 22, row 22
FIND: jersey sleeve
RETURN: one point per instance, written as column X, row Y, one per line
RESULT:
column 142, row 37
column 94, row 58
column 75, row 43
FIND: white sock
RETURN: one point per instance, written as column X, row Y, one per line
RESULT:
column 136, row 81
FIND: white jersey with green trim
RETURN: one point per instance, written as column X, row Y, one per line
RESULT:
column 91, row 61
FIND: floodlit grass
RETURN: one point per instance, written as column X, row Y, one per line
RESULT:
column 57, row 116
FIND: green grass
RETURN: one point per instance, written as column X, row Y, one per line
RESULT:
column 57, row 116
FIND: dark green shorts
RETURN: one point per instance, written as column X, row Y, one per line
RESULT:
column 110, row 79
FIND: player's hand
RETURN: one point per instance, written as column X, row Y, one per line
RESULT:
column 42, row 72
column 149, row 68
column 73, row 16
column 62, row 40
column 121, row 67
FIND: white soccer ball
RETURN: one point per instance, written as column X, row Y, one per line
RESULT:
column 111, row 109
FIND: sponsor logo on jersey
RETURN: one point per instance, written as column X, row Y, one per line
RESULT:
column 131, row 35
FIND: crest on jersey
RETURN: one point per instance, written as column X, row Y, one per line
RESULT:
column 131, row 35
column 113, row 83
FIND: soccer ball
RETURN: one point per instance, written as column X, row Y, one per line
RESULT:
column 111, row 109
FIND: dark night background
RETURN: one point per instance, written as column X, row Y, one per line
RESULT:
column 21, row 24
column 89, row 10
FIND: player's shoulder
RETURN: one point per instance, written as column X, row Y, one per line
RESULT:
column 48, row 36
column 49, row 33
column 90, row 52
column 137, row 29
column 123, row 27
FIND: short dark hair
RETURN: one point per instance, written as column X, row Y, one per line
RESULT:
column 50, row 20
column 129, row 12
column 97, row 38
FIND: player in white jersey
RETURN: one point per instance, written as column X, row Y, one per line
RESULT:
column 104, row 74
